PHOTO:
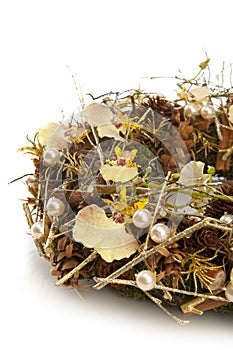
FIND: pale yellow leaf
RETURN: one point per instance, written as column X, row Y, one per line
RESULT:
column 95, row 230
column 118, row 173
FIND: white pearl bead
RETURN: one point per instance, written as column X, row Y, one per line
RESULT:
column 142, row 218
column 229, row 292
column 227, row 218
column 146, row 280
column 191, row 110
column 55, row 207
column 159, row 232
column 51, row 156
column 37, row 230
column 208, row 112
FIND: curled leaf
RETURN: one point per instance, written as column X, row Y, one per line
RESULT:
column 110, row 239
column 118, row 173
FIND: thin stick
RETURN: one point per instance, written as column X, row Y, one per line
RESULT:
column 30, row 223
column 157, row 208
column 164, row 288
column 28, row 214
column 159, row 303
column 146, row 254
column 49, row 242
column 90, row 258
column 19, row 178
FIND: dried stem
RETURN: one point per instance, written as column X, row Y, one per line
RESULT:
column 147, row 253
column 90, row 258
column 49, row 242
column 28, row 214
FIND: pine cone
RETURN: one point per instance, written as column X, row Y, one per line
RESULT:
column 221, row 206
column 105, row 269
column 206, row 237
column 67, row 254
column 170, row 266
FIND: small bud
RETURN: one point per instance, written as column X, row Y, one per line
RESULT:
column 175, row 176
column 211, row 170
column 148, row 170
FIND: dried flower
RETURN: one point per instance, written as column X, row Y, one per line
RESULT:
column 200, row 93
column 100, row 116
column 54, row 135
column 110, row 239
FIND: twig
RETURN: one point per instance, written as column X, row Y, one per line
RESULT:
column 90, row 258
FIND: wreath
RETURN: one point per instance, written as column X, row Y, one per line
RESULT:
column 135, row 192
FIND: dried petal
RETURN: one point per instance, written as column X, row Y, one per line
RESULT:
column 110, row 131
column 118, row 173
column 192, row 174
column 100, row 116
column 95, row 230
column 200, row 93
column 54, row 135
column 97, row 114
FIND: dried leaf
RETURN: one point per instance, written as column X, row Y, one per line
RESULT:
column 95, row 230
column 118, row 173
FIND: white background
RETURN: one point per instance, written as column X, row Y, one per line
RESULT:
column 109, row 45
